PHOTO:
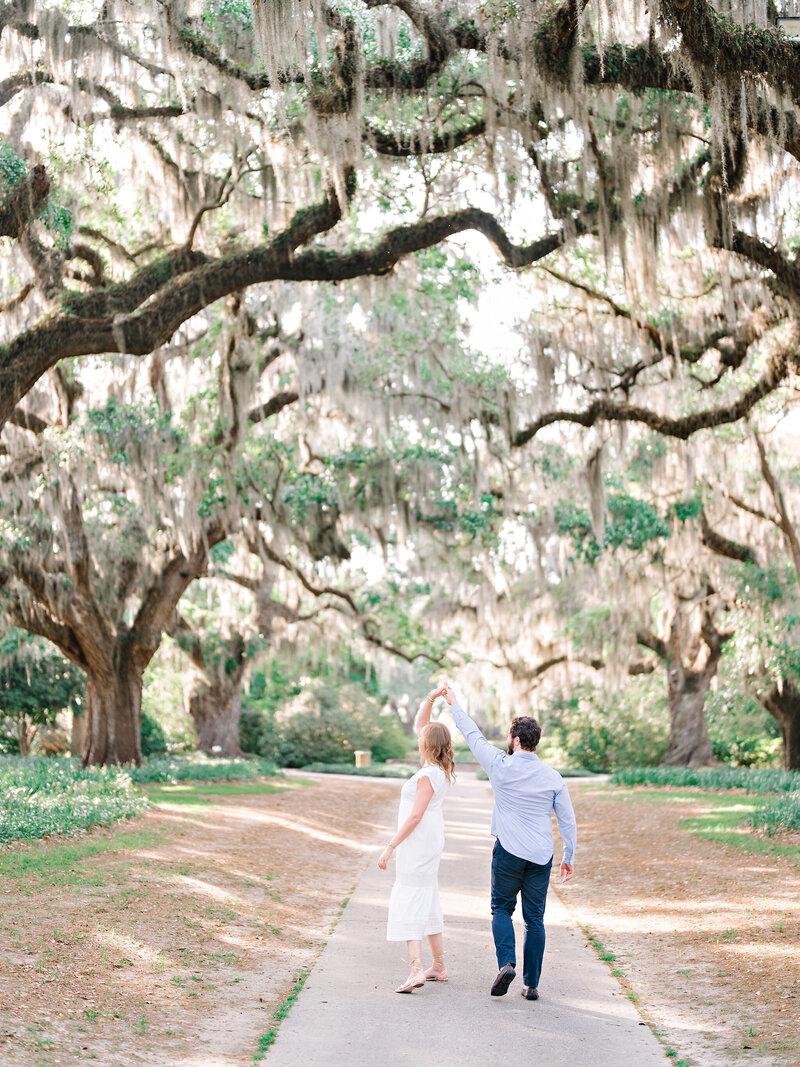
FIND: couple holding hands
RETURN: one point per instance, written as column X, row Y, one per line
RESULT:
column 526, row 792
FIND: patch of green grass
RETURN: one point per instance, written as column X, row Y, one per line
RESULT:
column 201, row 792
column 266, row 1040
column 782, row 813
column 729, row 822
column 63, row 864
column 200, row 768
column 375, row 770
column 597, row 945
column 754, row 780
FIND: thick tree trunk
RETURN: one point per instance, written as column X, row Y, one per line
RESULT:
column 689, row 743
column 782, row 701
column 77, row 742
column 215, row 711
column 114, row 711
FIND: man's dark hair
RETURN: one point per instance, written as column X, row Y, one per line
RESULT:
column 527, row 730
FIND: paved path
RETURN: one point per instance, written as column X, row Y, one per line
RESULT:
column 348, row 1014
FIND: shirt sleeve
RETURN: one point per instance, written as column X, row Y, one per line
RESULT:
column 435, row 776
column 485, row 753
column 567, row 827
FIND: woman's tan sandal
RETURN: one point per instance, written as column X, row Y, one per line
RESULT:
column 414, row 980
column 437, row 972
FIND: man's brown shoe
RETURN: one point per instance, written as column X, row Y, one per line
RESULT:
column 505, row 976
column 530, row 993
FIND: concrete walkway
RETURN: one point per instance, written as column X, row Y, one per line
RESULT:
column 348, row 1014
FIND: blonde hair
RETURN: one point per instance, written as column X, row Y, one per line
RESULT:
column 436, row 746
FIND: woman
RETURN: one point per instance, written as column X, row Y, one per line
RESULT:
column 414, row 907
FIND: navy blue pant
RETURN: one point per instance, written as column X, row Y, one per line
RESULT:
column 512, row 876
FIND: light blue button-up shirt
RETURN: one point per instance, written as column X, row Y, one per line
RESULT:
column 526, row 792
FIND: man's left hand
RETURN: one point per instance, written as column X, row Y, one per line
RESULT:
column 567, row 871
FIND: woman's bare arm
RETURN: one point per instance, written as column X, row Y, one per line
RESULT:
column 426, row 708
column 421, row 801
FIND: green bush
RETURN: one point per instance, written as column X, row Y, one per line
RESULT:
column 782, row 813
column 324, row 736
column 40, row 796
column 754, row 751
column 380, row 771
column 389, row 742
column 600, row 731
column 200, row 768
column 154, row 740
column 325, row 722
column 754, row 780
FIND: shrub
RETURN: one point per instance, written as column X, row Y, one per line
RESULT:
column 324, row 723
column 324, row 736
column 200, row 768
column 766, row 780
column 782, row 813
column 350, row 768
column 754, row 751
column 601, row 731
column 40, row 796
column 154, row 740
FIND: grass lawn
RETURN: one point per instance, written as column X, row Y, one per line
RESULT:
column 204, row 792
column 724, row 820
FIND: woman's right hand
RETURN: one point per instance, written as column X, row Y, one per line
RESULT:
column 385, row 856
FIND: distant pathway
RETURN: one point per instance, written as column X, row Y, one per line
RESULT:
column 348, row 1014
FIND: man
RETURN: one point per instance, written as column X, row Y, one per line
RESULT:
column 526, row 791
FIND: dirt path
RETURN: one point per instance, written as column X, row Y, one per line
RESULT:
column 172, row 939
column 707, row 936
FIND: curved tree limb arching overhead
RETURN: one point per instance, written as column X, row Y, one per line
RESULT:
column 389, row 81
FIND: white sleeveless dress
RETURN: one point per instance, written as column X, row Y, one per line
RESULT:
column 414, row 906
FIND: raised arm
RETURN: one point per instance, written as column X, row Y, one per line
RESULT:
column 484, row 752
column 422, row 799
column 426, row 708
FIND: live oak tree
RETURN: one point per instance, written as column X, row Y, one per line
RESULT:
column 95, row 560
column 749, row 523
column 318, row 142
column 162, row 157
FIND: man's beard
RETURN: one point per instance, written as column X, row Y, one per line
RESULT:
column 510, row 750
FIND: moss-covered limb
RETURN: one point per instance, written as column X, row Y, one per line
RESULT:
column 391, row 144
column 682, row 427
column 724, row 546
column 785, row 271
column 309, row 222
column 128, row 295
column 439, row 41
column 196, row 44
column 9, row 87
column 785, row 522
column 724, row 48
column 656, row 644
column 79, row 250
column 555, row 36
column 28, row 615
column 96, row 322
column 23, row 201
column 402, row 241
column 273, row 406
column 26, row 420
column 159, row 601
column 633, row 67
column 15, row 15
